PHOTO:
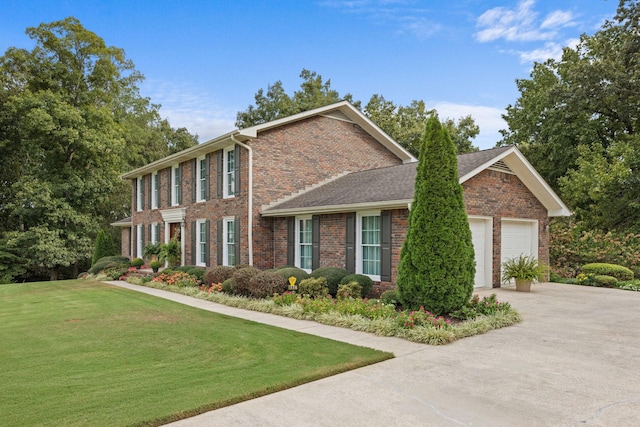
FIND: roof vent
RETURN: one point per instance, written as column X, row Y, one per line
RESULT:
column 337, row 114
column 501, row 166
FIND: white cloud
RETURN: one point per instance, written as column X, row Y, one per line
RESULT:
column 489, row 119
column 550, row 50
column 520, row 24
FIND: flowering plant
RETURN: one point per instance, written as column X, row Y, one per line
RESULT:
column 178, row 278
column 421, row 317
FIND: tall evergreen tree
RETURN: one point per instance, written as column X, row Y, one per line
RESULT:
column 103, row 247
column 437, row 265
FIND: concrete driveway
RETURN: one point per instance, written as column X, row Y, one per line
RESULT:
column 573, row 361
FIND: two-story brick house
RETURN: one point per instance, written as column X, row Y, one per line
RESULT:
column 325, row 188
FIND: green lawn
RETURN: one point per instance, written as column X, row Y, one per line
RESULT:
column 81, row 352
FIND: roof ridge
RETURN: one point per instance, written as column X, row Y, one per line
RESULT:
column 305, row 190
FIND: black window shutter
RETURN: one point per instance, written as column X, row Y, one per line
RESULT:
column 207, row 162
column 315, row 242
column 219, row 242
column 236, row 235
column 236, row 157
column 194, row 234
column 169, row 185
column 150, row 190
column 150, row 234
column 194, row 180
column 350, row 262
column 142, row 193
column 179, row 189
column 291, row 240
column 135, row 194
column 385, row 246
column 207, row 229
column 220, row 173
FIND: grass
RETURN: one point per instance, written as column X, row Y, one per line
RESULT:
column 80, row 352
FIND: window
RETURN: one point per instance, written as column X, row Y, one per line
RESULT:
column 229, row 172
column 139, row 240
column 155, row 232
column 201, row 179
column 201, row 242
column 175, row 185
column 229, row 244
column 368, row 258
column 155, row 190
column 139, row 194
column 304, row 235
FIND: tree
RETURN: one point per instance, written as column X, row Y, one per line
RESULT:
column 103, row 247
column 577, row 121
column 437, row 265
column 71, row 121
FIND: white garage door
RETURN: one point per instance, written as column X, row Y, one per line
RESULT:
column 481, row 237
column 519, row 238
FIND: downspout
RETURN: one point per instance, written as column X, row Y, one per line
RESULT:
column 250, row 208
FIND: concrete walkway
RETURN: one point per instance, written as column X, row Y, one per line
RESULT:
column 573, row 361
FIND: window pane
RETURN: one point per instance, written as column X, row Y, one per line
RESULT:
column 231, row 172
column 203, row 178
column 371, row 245
column 371, row 260
column 231, row 240
column 305, row 235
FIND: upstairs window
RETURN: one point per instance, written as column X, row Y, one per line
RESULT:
column 201, row 179
column 155, row 190
column 139, row 194
column 229, row 172
column 176, row 188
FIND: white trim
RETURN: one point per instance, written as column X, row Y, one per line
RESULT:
column 225, row 243
column 199, row 171
column 359, row 260
column 297, row 251
column 155, row 190
column 534, row 237
column 226, row 173
column 352, row 207
column 174, row 185
column 139, row 196
column 173, row 215
column 154, row 226
column 199, row 224
column 139, row 244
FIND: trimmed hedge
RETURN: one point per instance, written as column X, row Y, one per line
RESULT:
column 289, row 271
column 266, row 283
column 218, row 274
column 109, row 262
column 603, row 269
column 603, row 280
column 333, row 275
column 365, row 283
column 313, row 287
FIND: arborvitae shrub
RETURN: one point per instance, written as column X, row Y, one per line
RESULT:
column 296, row 272
column 437, row 265
column 103, row 247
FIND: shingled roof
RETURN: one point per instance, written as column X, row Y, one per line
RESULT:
column 383, row 188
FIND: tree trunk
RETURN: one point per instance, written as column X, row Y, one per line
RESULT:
column 53, row 274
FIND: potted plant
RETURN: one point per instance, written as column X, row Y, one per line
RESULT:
column 137, row 263
column 151, row 251
column 155, row 265
column 170, row 252
column 525, row 269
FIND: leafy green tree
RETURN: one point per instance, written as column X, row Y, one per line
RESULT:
column 71, row 121
column 577, row 121
column 103, row 247
column 437, row 265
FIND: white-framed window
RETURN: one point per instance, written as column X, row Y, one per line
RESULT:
column 139, row 194
column 229, row 241
column 175, row 185
column 155, row 232
column 201, row 179
column 139, row 240
column 368, row 244
column 229, row 176
column 201, row 242
column 304, row 233
column 155, row 190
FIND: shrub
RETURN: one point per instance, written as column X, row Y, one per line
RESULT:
column 241, row 280
column 218, row 274
column 604, row 280
column 349, row 290
column 421, row 317
column 365, row 283
column 333, row 275
column 193, row 270
column 103, row 247
column 115, row 273
column 227, row 286
column 109, row 262
column 286, row 298
column 585, row 279
column 266, row 284
column 296, row 272
column 488, row 306
column 155, row 265
column 313, row 287
column 137, row 262
column 390, row 297
column 617, row 271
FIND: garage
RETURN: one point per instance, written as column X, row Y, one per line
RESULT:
column 481, row 235
column 519, row 237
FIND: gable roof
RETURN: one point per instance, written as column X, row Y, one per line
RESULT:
column 339, row 111
column 393, row 187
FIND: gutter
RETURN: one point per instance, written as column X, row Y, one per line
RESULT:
column 250, row 203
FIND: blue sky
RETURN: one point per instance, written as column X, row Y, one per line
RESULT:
column 204, row 60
